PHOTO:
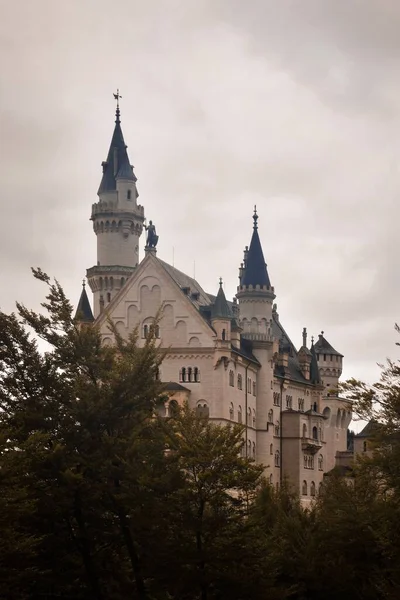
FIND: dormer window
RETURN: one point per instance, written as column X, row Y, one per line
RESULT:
column 129, row 195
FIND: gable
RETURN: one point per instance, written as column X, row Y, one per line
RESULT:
column 149, row 289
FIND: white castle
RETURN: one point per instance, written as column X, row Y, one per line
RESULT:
column 230, row 360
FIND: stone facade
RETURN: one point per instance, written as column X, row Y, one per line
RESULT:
column 231, row 360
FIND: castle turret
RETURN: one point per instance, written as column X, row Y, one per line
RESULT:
column 117, row 222
column 83, row 312
column 221, row 318
column 330, row 364
column 255, row 296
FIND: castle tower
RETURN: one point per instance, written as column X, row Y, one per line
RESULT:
column 117, row 222
column 221, row 318
column 255, row 296
column 330, row 364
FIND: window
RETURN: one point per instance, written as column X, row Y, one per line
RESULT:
column 149, row 329
column 189, row 374
column 289, row 401
column 182, row 373
column 270, row 416
column 202, row 409
column 324, row 356
column 254, row 418
column 145, row 331
column 315, row 433
column 301, row 404
column 239, row 382
column 254, row 450
column 240, row 414
column 231, row 412
column 249, row 385
column 276, row 399
column 304, row 430
column 271, row 480
column 254, row 388
column 128, row 194
column 157, row 331
column 320, row 462
column 277, row 459
column 271, row 449
column 308, row 461
column 249, row 416
column 231, row 379
column 331, row 357
column 196, row 375
column 312, row 488
column 223, row 335
column 304, row 488
column 315, row 407
column 277, row 428
column 108, row 297
column 248, row 449
column 364, row 446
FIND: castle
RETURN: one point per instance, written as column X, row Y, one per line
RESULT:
column 232, row 361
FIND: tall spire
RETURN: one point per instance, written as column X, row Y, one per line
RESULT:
column 117, row 165
column 255, row 270
column 220, row 309
column 315, row 376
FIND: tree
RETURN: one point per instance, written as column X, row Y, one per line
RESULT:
column 82, row 459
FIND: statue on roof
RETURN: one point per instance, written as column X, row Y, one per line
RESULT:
column 152, row 238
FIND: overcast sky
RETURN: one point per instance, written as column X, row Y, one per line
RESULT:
column 290, row 105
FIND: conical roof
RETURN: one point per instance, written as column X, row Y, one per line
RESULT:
column 84, row 310
column 315, row 376
column 117, row 165
column 255, row 269
column 322, row 346
column 220, row 309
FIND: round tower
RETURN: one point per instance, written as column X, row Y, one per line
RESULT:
column 117, row 222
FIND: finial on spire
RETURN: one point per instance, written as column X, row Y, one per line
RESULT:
column 117, row 96
column 255, row 217
column 83, row 283
column 312, row 340
column 322, row 332
column 220, row 282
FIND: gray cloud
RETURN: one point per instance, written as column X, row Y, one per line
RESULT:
column 289, row 105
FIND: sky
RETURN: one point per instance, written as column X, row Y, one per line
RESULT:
column 293, row 106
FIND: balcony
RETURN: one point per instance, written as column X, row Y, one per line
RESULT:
column 310, row 445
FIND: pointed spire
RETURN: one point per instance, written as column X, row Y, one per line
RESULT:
column 255, row 270
column 314, row 369
column 220, row 309
column 117, row 165
column 84, row 311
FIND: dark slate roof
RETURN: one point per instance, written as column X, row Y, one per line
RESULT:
column 188, row 283
column 220, row 308
column 324, row 347
column 84, row 310
column 369, row 430
column 255, row 269
column 245, row 351
column 123, row 168
column 293, row 370
column 314, row 369
column 173, row 386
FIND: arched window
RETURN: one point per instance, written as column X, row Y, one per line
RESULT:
column 196, row 375
column 182, row 375
column 277, row 459
column 254, row 450
column 231, row 412
column 202, row 409
column 305, row 461
column 190, row 374
column 315, row 433
column 277, row 428
column 249, row 385
column 254, row 418
column 128, row 194
column 108, row 297
column 254, row 388
column 312, row 489
column 271, row 479
column 145, row 331
column 304, row 488
column 320, row 462
column 249, row 416
column 240, row 414
column 276, row 399
column 304, row 430
column 223, row 335
column 271, row 449
column 270, row 416
column 248, row 449
column 315, row 407
column 231, row 378
column 239, row 382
